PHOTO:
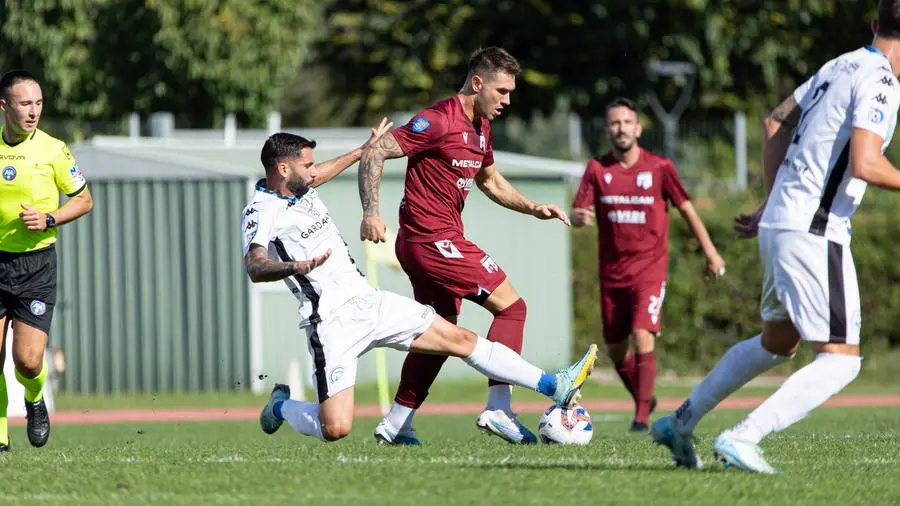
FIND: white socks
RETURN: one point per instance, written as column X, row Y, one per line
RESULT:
column 500, row 397
column 496, row 361
column 400, row 417
column 303, row 417
column 743, row 362
column 805, row 390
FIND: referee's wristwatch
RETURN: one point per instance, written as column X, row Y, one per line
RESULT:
column 51, row 221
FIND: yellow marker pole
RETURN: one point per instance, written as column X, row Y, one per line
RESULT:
column 382, row 253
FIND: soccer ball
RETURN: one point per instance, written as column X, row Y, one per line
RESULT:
column 567, row 426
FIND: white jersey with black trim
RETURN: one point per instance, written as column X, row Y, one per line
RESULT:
column 294, row 228
column 814, row 190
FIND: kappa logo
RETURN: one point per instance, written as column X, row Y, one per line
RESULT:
column 448, row 249
column 250, row 231
column 880, row 98
column 607, row 177
column 887, row 81
column 645, row 180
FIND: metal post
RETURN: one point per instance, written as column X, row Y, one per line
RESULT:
column 273, row 122
column 574, row 136
column 230, row 130
column 740, row 151
column 134, row 126
column 669, row 119
column 162, row 124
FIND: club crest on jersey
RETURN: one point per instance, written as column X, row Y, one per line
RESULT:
column 645, row 180
column 482, row 142
column 465, row 137
column 607, row 177
column 308, row 206
column 876, row 115
column 448, row 249
column 9, row 173
column 420, row 124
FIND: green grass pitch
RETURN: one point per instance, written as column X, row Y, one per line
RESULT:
column 837, row 456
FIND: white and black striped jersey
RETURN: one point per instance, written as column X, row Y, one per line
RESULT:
column 814, row 190
column 300, row 229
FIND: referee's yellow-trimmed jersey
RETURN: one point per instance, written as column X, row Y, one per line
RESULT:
column 33, row 173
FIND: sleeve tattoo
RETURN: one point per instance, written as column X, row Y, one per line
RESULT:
column 787, row 113
column 261, row 268
column 371, row 166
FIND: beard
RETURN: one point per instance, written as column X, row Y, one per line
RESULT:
column 623, row 145
column 297, row 186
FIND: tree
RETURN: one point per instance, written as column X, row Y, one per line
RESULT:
column 402, row 55
column 198, row 59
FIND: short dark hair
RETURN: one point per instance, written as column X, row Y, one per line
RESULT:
column 493, row 59
column 622, row 102
column 889, row 19
column 280, row 146
column 13, row 77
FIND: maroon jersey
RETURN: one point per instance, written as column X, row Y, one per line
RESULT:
column 445, row 151
column 632, row 215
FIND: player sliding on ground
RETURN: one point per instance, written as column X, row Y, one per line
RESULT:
column 289, row 236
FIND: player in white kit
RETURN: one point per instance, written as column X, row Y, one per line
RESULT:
column 289, row 236
column 823, row 145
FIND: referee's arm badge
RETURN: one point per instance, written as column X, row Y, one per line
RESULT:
column 69, row 177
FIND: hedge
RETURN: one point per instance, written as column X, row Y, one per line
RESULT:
column 703, row 317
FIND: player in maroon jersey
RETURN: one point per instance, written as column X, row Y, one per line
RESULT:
column 629, row 189
column 448, row 146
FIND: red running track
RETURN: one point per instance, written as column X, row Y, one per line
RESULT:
column 238, row 414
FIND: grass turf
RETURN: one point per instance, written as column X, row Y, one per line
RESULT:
column 846, row 456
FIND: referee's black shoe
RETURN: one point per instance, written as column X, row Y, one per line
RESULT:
column 38, row 423
column 4, row 447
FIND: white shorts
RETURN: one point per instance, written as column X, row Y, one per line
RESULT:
column 810, row 281
column 377, row 319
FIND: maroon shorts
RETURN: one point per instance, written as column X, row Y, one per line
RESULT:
column 444, row 272
column 628, row 308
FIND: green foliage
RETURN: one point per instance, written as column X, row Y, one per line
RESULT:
column 702, row 317
column 402, row 55
column 101, row 59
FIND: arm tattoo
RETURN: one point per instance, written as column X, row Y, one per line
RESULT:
column 786, row 113
column 371, row 166
column 261, row 268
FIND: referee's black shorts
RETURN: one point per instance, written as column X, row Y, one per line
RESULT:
column 28, row 286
